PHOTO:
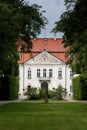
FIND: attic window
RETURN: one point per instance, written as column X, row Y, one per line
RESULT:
column 44, row 58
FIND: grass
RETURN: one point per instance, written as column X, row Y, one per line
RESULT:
column 40, row 116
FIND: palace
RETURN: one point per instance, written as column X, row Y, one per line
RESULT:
column 45, row 64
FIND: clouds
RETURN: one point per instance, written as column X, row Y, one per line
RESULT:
column 53, row 8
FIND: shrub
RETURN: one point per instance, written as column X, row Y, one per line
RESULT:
column 52, row 94
column 14, row 87
column 42, row 93
column 76, row 88
column 33, row 93
column 79, row 88
column 59, row 92
column 9, row 86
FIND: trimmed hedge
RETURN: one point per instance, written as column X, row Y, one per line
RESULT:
column 9, row 86
column 79, row 88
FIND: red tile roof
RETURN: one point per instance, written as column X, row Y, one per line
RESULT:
column 54, row 47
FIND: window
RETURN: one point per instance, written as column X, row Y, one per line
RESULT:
column 29, row 73
column 71, row 74
column 38, row 72
column 70, row 88
column 44, row 72
column 50, row 72
column 60, row 74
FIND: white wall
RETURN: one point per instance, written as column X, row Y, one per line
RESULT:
column 54, row 81
column 38, row 62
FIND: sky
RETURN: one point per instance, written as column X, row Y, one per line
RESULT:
column 54, row 9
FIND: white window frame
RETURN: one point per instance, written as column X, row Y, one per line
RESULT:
column 60, row 73
column 38, row 73
column 50, row 73
column 44, row 73
column 29, row 73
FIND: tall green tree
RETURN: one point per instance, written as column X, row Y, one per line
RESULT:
column 18, row 21
column 73, row 24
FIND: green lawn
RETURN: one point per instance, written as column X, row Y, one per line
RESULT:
column 40, row 116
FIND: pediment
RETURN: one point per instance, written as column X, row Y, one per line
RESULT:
column 44, row 58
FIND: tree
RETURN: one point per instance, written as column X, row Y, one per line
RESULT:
column 18, row 21
column 73, row 23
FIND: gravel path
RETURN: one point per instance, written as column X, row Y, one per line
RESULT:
column 19, row 100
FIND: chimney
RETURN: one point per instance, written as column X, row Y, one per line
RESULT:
column 35, row 39
column 54, row 36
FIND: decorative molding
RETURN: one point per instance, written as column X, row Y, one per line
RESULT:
column 45, row 57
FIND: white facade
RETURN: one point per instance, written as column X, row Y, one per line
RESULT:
column 45, row 67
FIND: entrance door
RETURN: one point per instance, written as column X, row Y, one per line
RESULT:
column 44, row 85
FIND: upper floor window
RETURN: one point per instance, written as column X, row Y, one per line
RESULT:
column 71, row 74
column 38, row 72
column 60, row 74
column 29, row 73
column 44, row 72
column 50, row 72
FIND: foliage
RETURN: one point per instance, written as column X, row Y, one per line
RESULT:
column 14, row 87
column 33, row 93
column 18, row 21
column 56, row 93
column 9, row 86
column 60, row 92
column 42, row 93
column 52, row 94
column 73, row 23
column 76, row 88
column 79, row 88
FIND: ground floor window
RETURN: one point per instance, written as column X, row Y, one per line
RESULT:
column 70, row 88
